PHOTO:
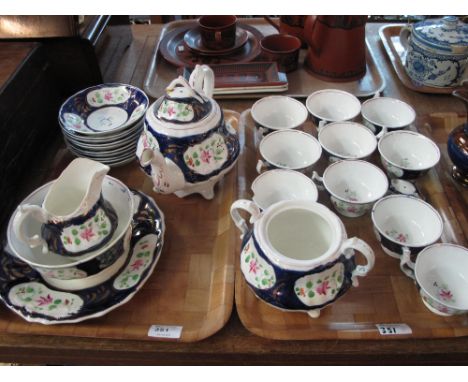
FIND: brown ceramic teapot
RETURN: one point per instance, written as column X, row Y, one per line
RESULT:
column 337, row 47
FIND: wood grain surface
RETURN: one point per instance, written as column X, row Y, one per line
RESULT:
column 386, row 295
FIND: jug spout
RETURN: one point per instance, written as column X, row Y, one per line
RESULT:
column 77, row 189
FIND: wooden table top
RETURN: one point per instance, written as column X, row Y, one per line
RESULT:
column 12, row 55
column 233, row 344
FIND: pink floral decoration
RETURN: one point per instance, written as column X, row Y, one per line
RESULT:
column 445, row 294
column 322, row 288
column 108, row 96
column 253, row 266
column 87, row 234
column 41, row 301
column 206, row 156
column 137, row 264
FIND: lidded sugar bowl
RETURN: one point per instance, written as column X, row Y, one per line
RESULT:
column 187, row 146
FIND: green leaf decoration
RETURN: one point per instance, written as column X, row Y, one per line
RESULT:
column 309, row 284
column 77, row 241
column 247, row 259
column 105, row 232
column 297, row 289
column 266, row 272
column 319, row 281
column 74, row 232
column 103, row 225
column 139, row 255
column 96, row 219
column 58, row 301
column 51, row 307
column 29, row 290
column 197, row 162
column 195, row 155
column 27, row 299
column 311, row 294
column 264, row 281
column 339, row 278
column 135, row 277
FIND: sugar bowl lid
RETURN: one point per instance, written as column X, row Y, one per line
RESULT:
column 447, row 34
column 187, row 102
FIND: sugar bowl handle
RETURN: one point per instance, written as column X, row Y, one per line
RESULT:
column 363, row 248
column 37, row 213
column 239, row 221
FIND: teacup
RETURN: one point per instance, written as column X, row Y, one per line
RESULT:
column 288, row 149
column 278, row 185
column 75, row 217
column 218, row 32
column 297, row 255
column 278, row 113
column 407, row 154
column 282, row 49
column 346, row 140
column 441, row 273
column 332, row 105
column 405, row 225
column 353, row 186
column 382, row 114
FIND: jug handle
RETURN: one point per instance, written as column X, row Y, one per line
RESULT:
column 362, row 247
column 272, row 23
column 404, row 36
column 202, row 80
column 239, row 221
column 37, row 213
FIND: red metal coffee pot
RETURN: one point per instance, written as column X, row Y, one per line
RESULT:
column 337, row 47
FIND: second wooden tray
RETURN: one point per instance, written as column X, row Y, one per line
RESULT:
column 385, row 296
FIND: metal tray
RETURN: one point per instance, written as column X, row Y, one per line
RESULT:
column 301, row 83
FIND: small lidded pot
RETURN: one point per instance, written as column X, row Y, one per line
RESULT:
column 187, row 146
column 437, row 51
column 297, row 256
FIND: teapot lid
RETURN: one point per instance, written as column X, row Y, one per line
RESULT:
column 182, row 104
column 447, row 34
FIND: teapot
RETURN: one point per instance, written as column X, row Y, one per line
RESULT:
column 436, row 51
column 337, row 47
column 457, row 145
column 297, row 256
column 186, row 145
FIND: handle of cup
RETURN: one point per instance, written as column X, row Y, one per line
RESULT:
column 318, row 180
column 19, row 220
column 406, row 265
column 260, row 166
column 382, row 132
column 363, row 248
column 239, row 221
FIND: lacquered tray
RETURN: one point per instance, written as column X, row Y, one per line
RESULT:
column 390, row 36
column 192, row 286
column 385, row 296
column 301, row 83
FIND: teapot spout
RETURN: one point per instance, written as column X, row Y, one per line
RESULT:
column 167, row 177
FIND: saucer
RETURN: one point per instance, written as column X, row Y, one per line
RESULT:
column 192, row 39
column 25, row 292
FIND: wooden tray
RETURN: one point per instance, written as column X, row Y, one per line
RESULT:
column 301, row 83
column 193, row 283
column 386, row 295
column 390, row 36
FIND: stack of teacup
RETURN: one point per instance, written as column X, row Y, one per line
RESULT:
column 75, row 231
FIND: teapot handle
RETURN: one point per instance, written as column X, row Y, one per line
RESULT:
column 404, row 35
column 246, row 205
column 37, row 213
column 362, row 247
column 202, row 80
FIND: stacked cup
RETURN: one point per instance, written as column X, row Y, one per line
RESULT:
column 75, row 231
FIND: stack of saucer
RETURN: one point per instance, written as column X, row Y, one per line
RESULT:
column 104, row 122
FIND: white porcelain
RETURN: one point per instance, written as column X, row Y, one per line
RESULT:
column 382, row 114
column 297, row 245
column 75, row 218
column 407, row 154
column 278, row 113
column 288, row 149
column 347, row 140
column 187, row 146
column 113, row 190
column 441, row 273
column 405, row 224
column 277, row 185
column 353, row 185
column 332, row 105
